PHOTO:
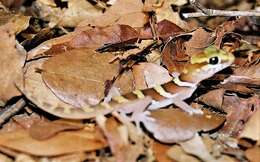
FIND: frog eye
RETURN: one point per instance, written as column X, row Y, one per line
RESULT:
column 214, row 60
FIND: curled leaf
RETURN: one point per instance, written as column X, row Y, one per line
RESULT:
column 75, row 141
column 174, row 125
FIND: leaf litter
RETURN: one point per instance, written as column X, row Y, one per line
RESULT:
column 63, row 57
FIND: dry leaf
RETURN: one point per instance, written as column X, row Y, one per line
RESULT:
column 11, row 63
column 253, row 154
column 213, row 98
column 174, row 125
column 74, row 157
column 251, row 72
column 12, row 3
column 44, row 129
column 128, row 12
column 178, row 154
column 199, row 40
column 146, row 75
column 196, row 147
column 77, row 11
column 164, row 30
column 24, row 158
column 35, row 90
column 238, row 88
column 251, row 129
column 78, row 77
column 120, row 139
column 21, row 121
column 62, row 143
column 166, row 12
column 4, row 158
column 91, row 38
column 238, row 111
column 160, row 151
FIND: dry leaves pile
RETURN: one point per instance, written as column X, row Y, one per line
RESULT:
column 58, row 58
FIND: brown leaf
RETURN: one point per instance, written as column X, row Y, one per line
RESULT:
column 251, row 129
column 174, row 125
column 238, row 88
column 213, row 98
column 199, row 40
column 12, row 3
column 160, row 151
column 21, row 121
column 78, row 77
column 77, row 11
column 165, row 12
column 146, row 75
column 91, row 38
column 4, row 158
column 11, row 63
column 251, row 72
column 128, row 12
column 119, row 140
column 74, row 157
column 44, row 130
column 36, row 91
column 164, row 30
column 238, row 112
column 173, row 54
column 178, row 154
column 196, row 146
column 62, row 143
column 253, row 154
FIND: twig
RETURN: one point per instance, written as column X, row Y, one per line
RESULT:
column 9, row 111
column 212, row 12
column 221, row 13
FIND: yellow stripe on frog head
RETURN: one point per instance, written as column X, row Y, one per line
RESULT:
column 210, row 52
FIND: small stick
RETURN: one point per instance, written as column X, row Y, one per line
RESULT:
column 212, row 12
column 9, row 111
column 221, row 13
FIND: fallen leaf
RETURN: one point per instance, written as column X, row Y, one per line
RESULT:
column 146, row 75
column 44, row 129
column 174, row 57
column 36, row 91
column 178, row 154
column 199, row 40
column 74, row 157
column 251, row 129
column 75, row 141
column 11, row 63
column 253, row 154
column 196, row 147
column 166, row 12
column 174, row 125
column 13, row 3
column 4, row 158
column 160, row 151
column 21, row 121
column 77, row 11
column 251, row 72
column 24, row 158
column 164, row 30
column 119, row 140
column 213, row 98
column 238, row 112
column 91, row 38
column 78, row 77
column 238, row 88
column 128, row 12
